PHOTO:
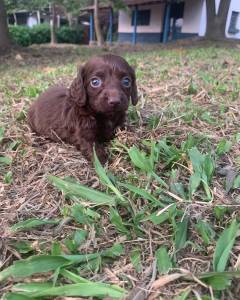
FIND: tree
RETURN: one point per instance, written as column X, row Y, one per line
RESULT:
column 4, row 33
column 98, row 30
column 216, row 22
column 53, row 22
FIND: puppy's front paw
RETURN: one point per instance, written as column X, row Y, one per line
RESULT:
column 102, row 155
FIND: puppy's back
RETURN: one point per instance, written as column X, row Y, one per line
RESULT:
column 45, row 114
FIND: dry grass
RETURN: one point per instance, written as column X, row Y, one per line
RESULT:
column 182, row 90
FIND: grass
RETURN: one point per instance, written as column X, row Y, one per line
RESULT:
column 161, row 219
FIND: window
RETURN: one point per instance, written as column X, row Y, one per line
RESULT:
column 143, row 17
column 233, row 23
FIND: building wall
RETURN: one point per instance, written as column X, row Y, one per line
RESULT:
column 192, row 16
column 234, row 6
column 156, row 20
column 194, row 22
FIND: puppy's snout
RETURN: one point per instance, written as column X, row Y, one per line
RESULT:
column 114, row 101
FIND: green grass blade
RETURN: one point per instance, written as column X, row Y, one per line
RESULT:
column 82, row 290
column 139, row 159
column 42, row 264
column 16, row 296
column 135, row 257
column 6, row 160
column 181, row 233
column 30, row 223
column 224, row 246
column 79, row 191
column 143, row 193
column 105, row 179
column 34, row 264
column 164, row 263
column 73, row 277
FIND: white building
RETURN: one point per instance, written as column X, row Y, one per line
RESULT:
column 153, row 21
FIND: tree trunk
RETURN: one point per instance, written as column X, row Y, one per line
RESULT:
column 15, row 19
column 4, row 33
column 216, row 21
column 99, row 35
column 53, row 23
column 70, row 19
column 38, row 17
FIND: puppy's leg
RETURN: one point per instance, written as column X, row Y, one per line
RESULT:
column 86, row 148
column 101, row 153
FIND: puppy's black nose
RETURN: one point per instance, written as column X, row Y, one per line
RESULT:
column 114, row 101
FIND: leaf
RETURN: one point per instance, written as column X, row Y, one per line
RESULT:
column 73, row 277
column 115, row 251
column 180, row 234
column 208, row 167
column 223, row 147
column 5, row 160
column 162, row 216
column 43, row 263
column 1, row 133
column 117, row 221
column 89, row 289
column 135, row 257
column 164, row 263
column 139, row 159
column 76, row 190
column 15, row 296
column 22, row 246
column 220, row 211
column 32, row 286
column 104, row 178
column 143, row 193
column 197, row 159
column 206, row 232
column 30, row 223
column 224, row 246
column 8, row 179
column 194, row 183
column 219, row 280
column 236, row 183
column 84, row 215
column 32, row 265
column 183, row 296
column 79, row 236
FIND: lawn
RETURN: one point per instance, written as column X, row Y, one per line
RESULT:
column 161, row 218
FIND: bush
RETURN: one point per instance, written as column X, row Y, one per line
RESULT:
column 66, row 34
column 40, row 34
column 20, row 35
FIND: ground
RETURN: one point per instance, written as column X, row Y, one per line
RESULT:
column 172, row 183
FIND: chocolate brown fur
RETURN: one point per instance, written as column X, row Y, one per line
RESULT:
column 84, row 115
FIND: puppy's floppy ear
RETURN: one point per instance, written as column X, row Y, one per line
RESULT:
column 77, row 92
column 134, row 93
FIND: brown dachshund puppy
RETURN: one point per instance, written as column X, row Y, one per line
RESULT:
column 89, row 112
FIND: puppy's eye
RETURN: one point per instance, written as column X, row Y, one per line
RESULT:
column 126, row 82
column 96, row 82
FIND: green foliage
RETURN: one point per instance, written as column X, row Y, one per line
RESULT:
column 224, row 246
column 66, row 34
column 206, row 231
column 31, row 223
column 78, row 191
column 203, row 167
column 164, row 263
column 20, row 35
column 135, row 257
column 40, row 34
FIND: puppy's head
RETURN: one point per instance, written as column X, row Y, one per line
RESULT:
column 105, row 84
